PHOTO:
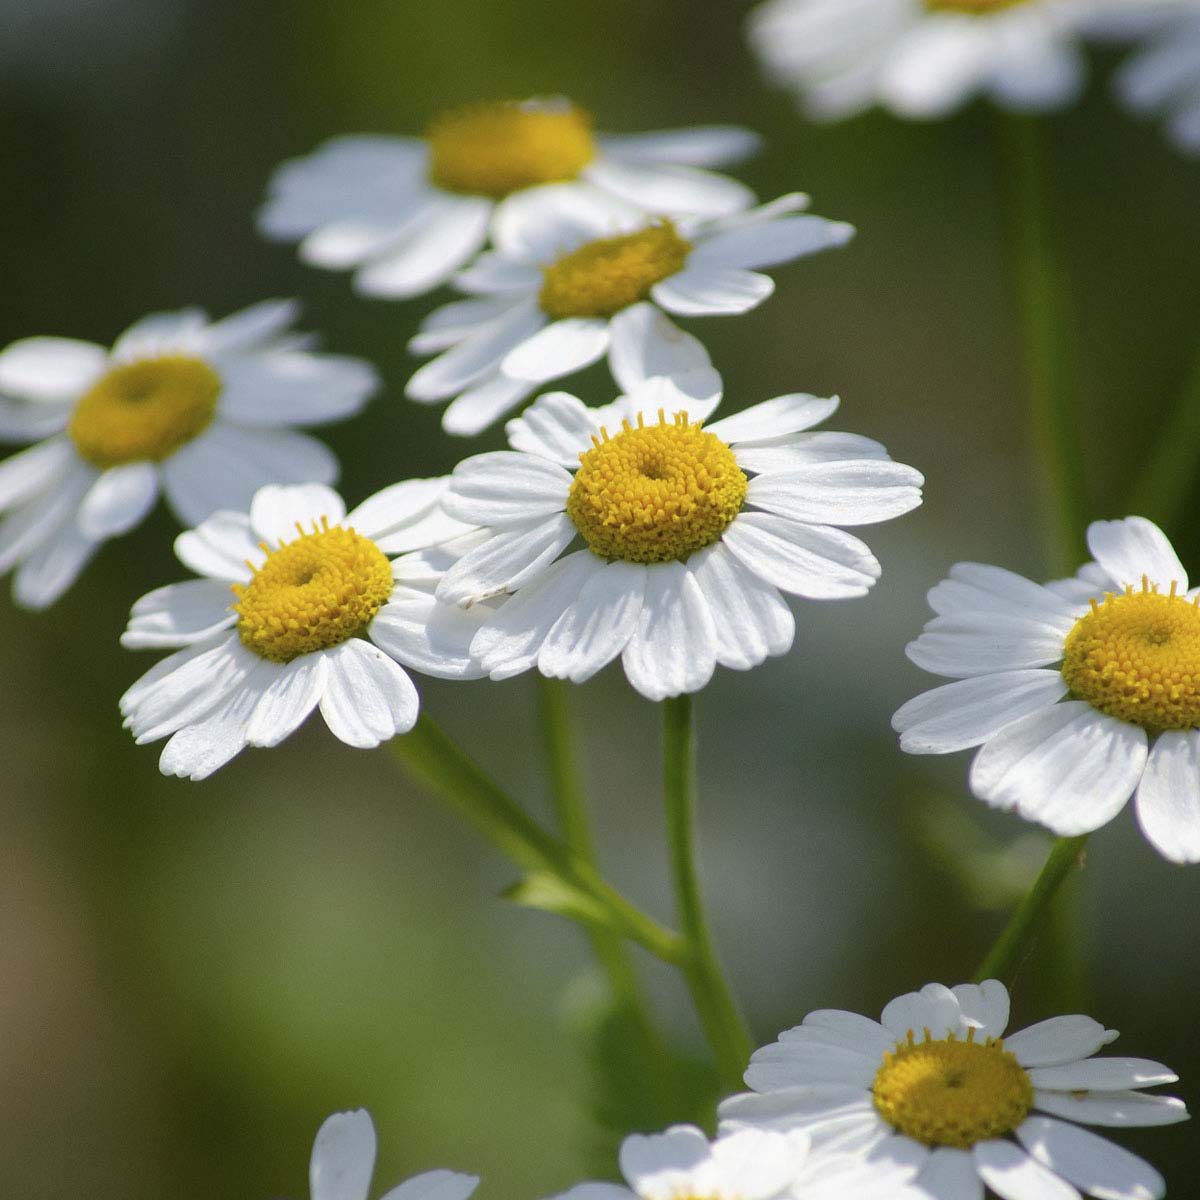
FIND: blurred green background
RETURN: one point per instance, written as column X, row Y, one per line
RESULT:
column 193, row 976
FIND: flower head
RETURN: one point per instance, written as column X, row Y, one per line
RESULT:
column 200, row 410
column 298, row 606
column 689, row 533
column 937, row 1074
column 573, row 279
column 1079, row 693
column 417, row 209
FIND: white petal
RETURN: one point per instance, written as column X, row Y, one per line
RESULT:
column 769, row 243
column 774, row 418
column 1168, row 796
column 839, row 493
column 343, row 1157
column 118, row 500
column 28, row 472
column 979, row 588
column 46, row 573
column 434, row 1185
column 472, row 411
column 418, row 632
column 660, row 1165
column 751, row 619
column 1032, row 72
column 646, row 343
column 1114, row 1109
column 220, row 547
column 538, row 224
column 755, row 1164
column 1134, row 547
column 984, row 1005
column 674, row 647
column 822, row 1110
column 44, row 515
column 971, row 711
column 506, row 562
column 806, row 560
column 496, row 275
column 1091, row 1163
column 276, row 511
column 251, row 328
column 962, row 646
column 700, row 290
column 289, row 699
column 596, row 1191
column 668, row 189
column 453, row 322
column 396, row 507
column 597, row 625
column 936, row 69
column 695, row 393
column 50, row 369
column 199, row 749
column 848, row 1029
column 556, row 426
column 1013, row 1175
column 30, row 421
column 560, row 348
column 950, row 1174
column 699, row 146
column 287, row 387
column 506, row 488
column 1058, row 1040
column 795, row 1062
column 1068, row 767
column 1102, row 1074
column 935, row 1007
column 179, row 332
column 179, row 614
column 369, row 698
column 804, row 449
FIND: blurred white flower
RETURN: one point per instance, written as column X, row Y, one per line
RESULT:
column 199, row 410
column 299, row 607
column 1080, row 693
column 934, row 1075
column 1163, row 78
column 407, row 212
column 574, row 277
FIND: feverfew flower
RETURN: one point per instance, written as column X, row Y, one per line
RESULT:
column 574, row 277
column 925, row 58
column 299, row 607
column 199, row 410
column 1163, row 78
column 935, row 1071
column 408, row 212
column 343, row 1160
column 1080, row 693
column 689, row 533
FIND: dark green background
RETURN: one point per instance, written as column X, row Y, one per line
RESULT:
column 193, row 976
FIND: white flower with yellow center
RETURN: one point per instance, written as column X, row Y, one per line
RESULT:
column 299, row 607
column 574, row 278
column 406, row 213
column 1080, row 693
column 688, row 532
column 976, row 1107
column 201, row 411
column 1163, row 78
column 925, row 58
column 343, row 1161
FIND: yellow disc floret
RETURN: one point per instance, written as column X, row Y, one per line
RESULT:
column 952, row 1092
column 312, row 593
column 654, row 493
column 496, row 149
column 607, row 275
column 144, row 410
column 971, row 6
column 1137, row 658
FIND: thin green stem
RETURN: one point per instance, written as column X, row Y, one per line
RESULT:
column 1065, row 856
column 1042, row 312
column 436, row 760
column 723, row 1026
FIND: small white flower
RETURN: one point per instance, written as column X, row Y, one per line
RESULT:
column 299, row 607
column 199, row 410
column 689, row 534
column 934, row 1073
column 575, row 277
column 1080, row 693
column 925, row 58
column 343, row 1160
column 1163, row 78
column 408, row 212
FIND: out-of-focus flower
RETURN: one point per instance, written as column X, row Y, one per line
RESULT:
column 1163, row 78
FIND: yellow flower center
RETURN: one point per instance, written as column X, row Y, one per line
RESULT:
column 495, row 149
column 655, row 493
column 144, row 410
column 1137, row 658
column 312, row 593
column 950, row 1092
column 971, row 6
column 607, row 275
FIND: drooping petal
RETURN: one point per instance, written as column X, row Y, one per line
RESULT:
column 597, row 625
column 287, row 702
column 369, row 697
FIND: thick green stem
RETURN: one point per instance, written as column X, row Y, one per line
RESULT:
column 1065, row 855
column 723, row 1026
column 435, row 759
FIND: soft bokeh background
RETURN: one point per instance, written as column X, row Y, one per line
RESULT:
column 193, row 976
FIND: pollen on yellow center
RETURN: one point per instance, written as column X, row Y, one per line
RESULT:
column 655, row 493
column 1137, row 658
column 971, row 6
column 495, row 149
column 952, row 1092
column 602, row 277
column 312, row 593
column 144, row 410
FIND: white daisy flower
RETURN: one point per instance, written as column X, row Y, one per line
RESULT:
column 1163, row 78
column 298, row 606
column 1079, row 693
column 575, row 277
column 343, row 1161
column 406, row 212
column 689, row 534
column 925, row 58
column 199, row 410
column 977, row 1110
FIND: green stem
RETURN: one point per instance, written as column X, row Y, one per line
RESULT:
column 1042, row 317
column 436, row 760
column 1065, row 855
column 723, row 1026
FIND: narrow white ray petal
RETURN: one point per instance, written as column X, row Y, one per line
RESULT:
column 1102, row 1075
column 1168, row 797
column 28, row 472
column 118, row 500
column 701, row 290
column 343, row 1157
column 793, row 1062
column 419, row 632
column 971, row 644
column 699, row 146
column 287, row 702
column 537, row 225
column 950, row 1174
column 179, row 332
column 1058, row 1040
column 669, row 189
column 806, row 449
column 44, row 515
column 250, row 328
column 980, row 588
column 507, row 561
column 1013, row 1175
column 597, row 625
column 277, row 511
column 774, row 418
column 368, row 698
column 556, row 426
column 646, row 343
column 434, row 1185
column 506, row 488
column 49, row 370
column 661, row 1164
column 1134, row 547
column 1118, row 1110
column 839, row 493
column 24, row 421
column 179, row 614
column 473, row 410
column 984, row 1005
column 199, row 749
column 453, row 322
column 290, row 387
column 560, row 348
column 935, row 1007
column 761, row 244
column 221, row 547
column 1092, row 1163
column 47, row 571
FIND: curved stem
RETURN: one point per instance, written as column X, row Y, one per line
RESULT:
column 723, row 1026
column 1065, row 855
column 434, row 758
